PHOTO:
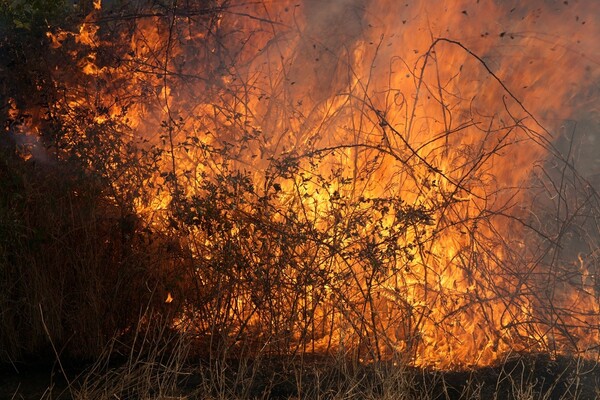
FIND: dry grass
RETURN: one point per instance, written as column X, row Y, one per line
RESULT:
column 160, row 364
column 154, row 368
column 160, row 378
column 73, row 273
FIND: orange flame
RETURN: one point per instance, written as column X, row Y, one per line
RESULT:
column 434, row 113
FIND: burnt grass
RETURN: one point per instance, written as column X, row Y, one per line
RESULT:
column 531, row 376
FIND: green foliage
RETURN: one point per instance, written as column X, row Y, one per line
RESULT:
column 33, row 15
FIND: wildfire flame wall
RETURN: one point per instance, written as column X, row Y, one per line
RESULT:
column 369, row 177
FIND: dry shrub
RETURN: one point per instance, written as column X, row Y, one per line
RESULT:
column 279, row 241
column 70, row 260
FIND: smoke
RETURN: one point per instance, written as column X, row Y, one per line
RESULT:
column 326, row 44
column 29, row 146
column 21, row 138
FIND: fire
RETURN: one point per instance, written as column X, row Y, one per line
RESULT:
column 404, row 144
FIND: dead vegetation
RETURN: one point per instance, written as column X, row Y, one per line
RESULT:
column 190, row 227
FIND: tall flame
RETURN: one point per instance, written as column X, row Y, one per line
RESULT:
column 412, row 138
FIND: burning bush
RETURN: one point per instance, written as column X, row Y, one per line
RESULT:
column 327, row 190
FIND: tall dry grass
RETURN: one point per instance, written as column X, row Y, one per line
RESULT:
column 73, row 270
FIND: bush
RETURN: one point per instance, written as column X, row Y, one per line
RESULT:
column 74, row 268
